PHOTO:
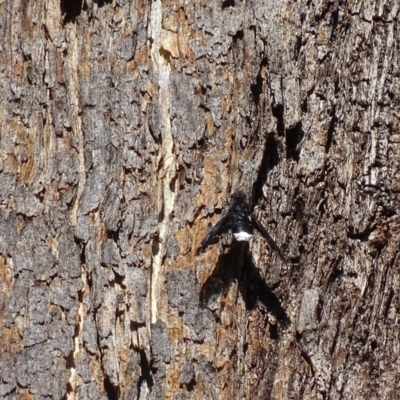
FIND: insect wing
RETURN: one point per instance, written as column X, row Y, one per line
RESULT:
column 224, row 225
column 267, row 237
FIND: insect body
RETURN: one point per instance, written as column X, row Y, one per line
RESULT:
column 241, row 222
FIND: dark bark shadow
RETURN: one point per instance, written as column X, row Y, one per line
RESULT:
column 238, row 264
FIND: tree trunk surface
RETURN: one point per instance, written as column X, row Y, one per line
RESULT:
column 125, row 126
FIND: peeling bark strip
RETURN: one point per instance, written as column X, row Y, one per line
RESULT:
column 166, row 171
column 124, row 128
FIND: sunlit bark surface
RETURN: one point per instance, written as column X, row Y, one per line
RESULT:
column 124, row 128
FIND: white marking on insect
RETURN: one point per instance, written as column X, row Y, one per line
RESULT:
column 242, row 236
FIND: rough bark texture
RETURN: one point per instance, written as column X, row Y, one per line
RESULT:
column 124, row 127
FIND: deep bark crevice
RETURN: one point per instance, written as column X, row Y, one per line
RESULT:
column 111, row 390
column 362, row 236
column 70, row 9
column 331, row 130
column 293, row 138
column 257, row 87
column 102, row 3
column 146, row 374
column 269, row 161
column 227, row 4
column 277, row 112
column 238, row 36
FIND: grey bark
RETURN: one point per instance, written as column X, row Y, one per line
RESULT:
column 125, row 126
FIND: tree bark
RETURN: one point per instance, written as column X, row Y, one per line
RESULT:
column 124, row 128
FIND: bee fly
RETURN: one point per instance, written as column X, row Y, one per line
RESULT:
column 241, row 222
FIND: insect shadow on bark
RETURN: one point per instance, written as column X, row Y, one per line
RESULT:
column 238, row 265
